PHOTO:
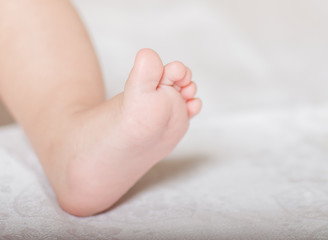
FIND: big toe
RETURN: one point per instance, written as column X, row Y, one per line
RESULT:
column 146, row 72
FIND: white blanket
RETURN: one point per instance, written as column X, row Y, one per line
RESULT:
column 243, row 176
column 254, row 163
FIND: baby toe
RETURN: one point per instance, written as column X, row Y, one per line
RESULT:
column 173, row 72
column 194, row 106
column 185, row 80
column 189, row 91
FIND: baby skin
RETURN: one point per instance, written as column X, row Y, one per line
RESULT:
column 92, row 150
column 117, row 142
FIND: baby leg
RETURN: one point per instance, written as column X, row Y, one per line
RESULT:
column 91, row 150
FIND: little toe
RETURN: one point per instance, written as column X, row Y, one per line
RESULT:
column 189, row 91
column 173, row 72
column 194, row 106
column 185, row 81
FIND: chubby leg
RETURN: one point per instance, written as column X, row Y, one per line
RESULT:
column 92, row 150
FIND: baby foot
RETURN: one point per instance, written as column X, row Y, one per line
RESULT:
column 114, row 144
column 159, row 101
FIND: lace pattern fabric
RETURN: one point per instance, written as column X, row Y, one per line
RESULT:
column 263, row 178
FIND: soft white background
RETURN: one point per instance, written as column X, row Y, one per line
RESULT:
column 254, row 163
column 244, row 54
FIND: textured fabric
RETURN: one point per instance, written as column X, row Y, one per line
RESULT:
column 246, row 176
column 254, row 163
